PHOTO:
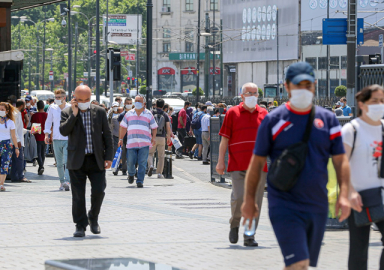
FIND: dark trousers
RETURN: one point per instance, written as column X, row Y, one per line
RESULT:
column 78, row 182
column 41, row 146
column 181, row 133
column 17, row 168
column 359, row 243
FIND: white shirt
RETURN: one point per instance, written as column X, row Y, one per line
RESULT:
column 205, row 122
column 364, row 161
column 19, row 128
column 54, row 117
column 5, row 133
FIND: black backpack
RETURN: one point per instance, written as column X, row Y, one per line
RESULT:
column 175, row 121
column 160, row 120
column 285, row 170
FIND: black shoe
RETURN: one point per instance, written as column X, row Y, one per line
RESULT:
column 115, row 173
column 34, row 163
column 234, row 235
column 131, row 179
column 250, row 243
column 139, row 185
column 179, row 157
column 199, row 158
column 80, row 231
column 206, row 163
column 124, row 172
column 150, row 171
column 40, row 171
column 93, row 225
column 191, row 155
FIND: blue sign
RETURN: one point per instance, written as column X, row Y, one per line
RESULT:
column 335, row 31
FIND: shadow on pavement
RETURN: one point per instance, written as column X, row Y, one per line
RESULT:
column 244, row 248
column 77, row 239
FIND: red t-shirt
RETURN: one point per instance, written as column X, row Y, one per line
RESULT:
column 39, row 117
column 23, row 113
column 183, row 115
column 240, row 127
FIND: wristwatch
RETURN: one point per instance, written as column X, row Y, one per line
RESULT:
column 16, row 147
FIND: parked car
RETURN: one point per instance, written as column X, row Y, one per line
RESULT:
column 176, row 103
column 42, row 94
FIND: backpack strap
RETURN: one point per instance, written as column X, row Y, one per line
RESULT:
column 354, row 139
column 308, row 128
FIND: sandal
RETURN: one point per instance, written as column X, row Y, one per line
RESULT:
column 25, row 180
column 2, row 188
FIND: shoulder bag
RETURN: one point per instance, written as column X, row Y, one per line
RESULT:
column 373, row 209
column 286, row 169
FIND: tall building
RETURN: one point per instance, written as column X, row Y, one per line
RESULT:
column 175, row 44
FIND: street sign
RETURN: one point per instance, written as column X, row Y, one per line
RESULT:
column 51, row 77
column 130, row 57
column 124, row 53
column 93, row 74
column 335, row 31
column 85, row 74
column 381, row 41
column 51, row 72
column 130, row 74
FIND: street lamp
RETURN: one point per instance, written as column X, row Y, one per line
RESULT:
column 52, row 81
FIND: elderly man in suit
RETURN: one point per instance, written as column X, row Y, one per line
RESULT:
column 90, row 152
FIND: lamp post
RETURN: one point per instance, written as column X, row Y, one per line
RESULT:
column 52, row 81
column 149, row 52
column 198, row 53
column 97, row 50
column 45, row 17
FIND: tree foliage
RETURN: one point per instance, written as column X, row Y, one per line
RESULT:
column 341, row 91
column 143, row 90
column 201, row 92
column 261, row 93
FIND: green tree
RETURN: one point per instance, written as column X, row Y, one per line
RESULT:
column 341, row 91
column 201, row 92
column 143, row 90
column 261, row 93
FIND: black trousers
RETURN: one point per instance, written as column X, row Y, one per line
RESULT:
column 78, row 182
column 41, row 147
column 359, row 243
column 181, row 133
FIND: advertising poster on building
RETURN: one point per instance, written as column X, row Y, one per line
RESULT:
column 123, row 28
column 250, row 30
column 188, row 79
column 166, row 79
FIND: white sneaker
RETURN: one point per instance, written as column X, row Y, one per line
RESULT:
column 61, row 186
column 66, row 186
column 160, row 176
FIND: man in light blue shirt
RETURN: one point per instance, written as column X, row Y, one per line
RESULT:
column 346, row 109
column 205, row 128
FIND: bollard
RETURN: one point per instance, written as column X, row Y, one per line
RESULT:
column 168, row 165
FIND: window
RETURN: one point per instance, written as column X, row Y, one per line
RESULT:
column 322, row 87
column 166, row 46
column 214, row 5
column 167, row 3
column 189, row 40
column 166, row 33
column 188, row 5
column 343, row 62
column 322, row 62
column 312, row 62
column 334, row 83
column 334, row 61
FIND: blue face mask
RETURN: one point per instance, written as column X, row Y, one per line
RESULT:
column 138, row 105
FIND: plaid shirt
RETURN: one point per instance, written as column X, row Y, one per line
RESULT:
column 86, row 116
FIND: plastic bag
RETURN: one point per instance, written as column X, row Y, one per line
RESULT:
column 116, row 160
column 36, row 128
column 176, row 143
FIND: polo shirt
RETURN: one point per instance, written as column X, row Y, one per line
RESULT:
column 138, row 128
column 183, row 115
column 346, row 110
column 284, row 127
column 205, row 122
column 241, row 126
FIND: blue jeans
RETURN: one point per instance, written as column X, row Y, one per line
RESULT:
column 139, row 155
column 61, row 153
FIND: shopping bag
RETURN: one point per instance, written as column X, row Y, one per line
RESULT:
column 176, row 142
column 116, row 160
column 36, row 128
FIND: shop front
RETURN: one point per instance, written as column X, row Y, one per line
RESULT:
column 166, row 79
column 188, row 79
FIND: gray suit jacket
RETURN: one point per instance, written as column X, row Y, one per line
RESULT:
column 72, row 126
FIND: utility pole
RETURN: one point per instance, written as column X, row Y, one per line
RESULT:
column 149, row 53
column 198, row 53
column 29, row 71
column 106, row 49
column 37, row 60
column 137, row 48
column 351, row 52
column 75, row 64
column 89, row 53
column 328, row 59
column 207, row 61
column 98, row 50
column 45, row 21
column 52, row 82
column 214, row 51
column 69, row 53
column 221, row 59
column 111, row 66
column 277, row 50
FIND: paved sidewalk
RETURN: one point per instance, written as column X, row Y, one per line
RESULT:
column 181, row 222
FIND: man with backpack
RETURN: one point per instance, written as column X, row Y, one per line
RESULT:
column 196, row 126
column 181, row 127
column 163, row 131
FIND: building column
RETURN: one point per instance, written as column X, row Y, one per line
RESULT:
column 5, row 25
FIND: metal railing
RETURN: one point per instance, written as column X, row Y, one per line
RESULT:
column 371, row 74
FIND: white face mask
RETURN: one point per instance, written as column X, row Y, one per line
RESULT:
column 375, row 112
column 28, row 104
column 3, row 113
column 128, row 107
column 301, row 98
column 58, row 102
column 115, row 109
column 342, row 104
column 138, row 105
column 251, row 101
column 84, row 106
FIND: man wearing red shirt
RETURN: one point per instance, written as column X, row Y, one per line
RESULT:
column 238, row 134
column 181, row 127
column 39, row 118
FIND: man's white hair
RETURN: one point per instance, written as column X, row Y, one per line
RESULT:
column 248, row 85
column 144, row 100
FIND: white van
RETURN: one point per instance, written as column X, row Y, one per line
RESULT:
column 42, row 94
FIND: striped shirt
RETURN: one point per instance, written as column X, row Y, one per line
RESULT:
column 138, row 128
column 86, row 117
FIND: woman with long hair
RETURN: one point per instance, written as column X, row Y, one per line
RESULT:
column 7, row 132
column 363, row 143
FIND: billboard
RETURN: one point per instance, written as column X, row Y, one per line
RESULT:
column 313, row 12
column 123, row 28
column 250, row 30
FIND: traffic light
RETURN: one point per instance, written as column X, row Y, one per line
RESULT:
column 116, row 64
column 94, row 52
column 129, row 80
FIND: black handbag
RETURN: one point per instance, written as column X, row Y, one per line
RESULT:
column 373, row 209
column 285, row 170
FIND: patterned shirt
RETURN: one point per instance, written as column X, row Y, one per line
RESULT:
column 86, row 116
column 138, row 128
